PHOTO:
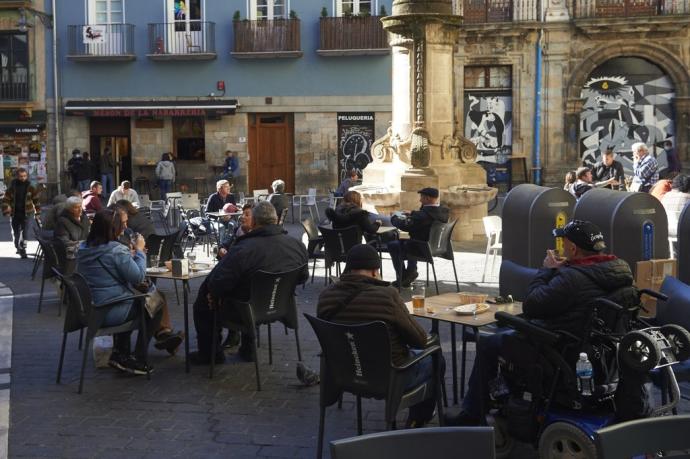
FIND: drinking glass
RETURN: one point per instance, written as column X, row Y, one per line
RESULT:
column 153, row 261
column 418, row 294
column 191, row 256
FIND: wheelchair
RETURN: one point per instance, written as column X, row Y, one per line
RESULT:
column 535, row 397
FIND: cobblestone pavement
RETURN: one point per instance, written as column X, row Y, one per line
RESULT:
column 177, row 414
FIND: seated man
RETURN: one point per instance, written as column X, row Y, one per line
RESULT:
column 278, row 198
column 92, row 198
column 361, row 297
column 267, row 248
column 124, row 192
column 221, row 197
column 558, row 298
column 418, row 224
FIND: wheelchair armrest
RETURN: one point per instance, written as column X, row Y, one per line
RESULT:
column 414, row 360
column 523, row 325
column 608, row 303
column 653, row 294
column 120, row 300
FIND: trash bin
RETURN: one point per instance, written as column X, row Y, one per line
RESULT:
column 530, row 213
column 634, row 225
column 683, row 245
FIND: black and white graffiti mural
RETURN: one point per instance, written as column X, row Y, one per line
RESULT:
column 355, row 138
column 627, row 100
column 489, row 124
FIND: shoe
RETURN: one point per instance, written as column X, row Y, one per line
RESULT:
column 463, row 418
column 408, row 277
column 22, row 254
column 232, row 340
column 169, row 340
column 197, row 358
column 136, row 367
column 306, row 375
column 246, row 353
column 117, row 361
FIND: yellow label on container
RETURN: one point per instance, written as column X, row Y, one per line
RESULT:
column 561, row 219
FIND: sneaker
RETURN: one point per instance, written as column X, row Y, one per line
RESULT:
column 408, row 277
column 22, row 254
column 136, row 367
column 232, row 340
column 169, row 340
column 117, row 361
column 306, row 375
column 197, row 358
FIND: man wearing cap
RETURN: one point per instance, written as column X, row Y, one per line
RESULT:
column 360, row 297
column 558, row 298
column 608, row 173
column 418, row 224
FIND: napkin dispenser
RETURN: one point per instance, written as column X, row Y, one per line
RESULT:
column 180, row 267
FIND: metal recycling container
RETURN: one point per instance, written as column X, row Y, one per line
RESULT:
column 683, row 245
column 530, row 213
column 634, row 225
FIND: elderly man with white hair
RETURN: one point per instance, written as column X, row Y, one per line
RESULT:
column 126, row 192
column 72, row 227
column 221, row 197
column 645, row 169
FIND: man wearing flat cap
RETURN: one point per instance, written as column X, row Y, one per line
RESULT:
column 418, row 223
column 559, row 298
column 361, row 297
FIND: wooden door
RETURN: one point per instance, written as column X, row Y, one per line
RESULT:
column 271, row 151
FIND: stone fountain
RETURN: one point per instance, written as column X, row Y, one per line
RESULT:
column 421, row 148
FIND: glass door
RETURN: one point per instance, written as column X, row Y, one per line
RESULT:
column 268, row 9
column 119, row 146
column 185, row 31
column 104, row 34
column 354, row 7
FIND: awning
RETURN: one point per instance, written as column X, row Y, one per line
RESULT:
column 211, row 108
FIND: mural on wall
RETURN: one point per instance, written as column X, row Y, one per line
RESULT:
column 355, row 138
column 627, row 100
column 489, row 124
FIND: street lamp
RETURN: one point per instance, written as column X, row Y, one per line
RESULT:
column 23, row 24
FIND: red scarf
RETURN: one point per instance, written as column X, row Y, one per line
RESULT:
column 591, row 260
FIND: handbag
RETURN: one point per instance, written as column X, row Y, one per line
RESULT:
column 154, row 299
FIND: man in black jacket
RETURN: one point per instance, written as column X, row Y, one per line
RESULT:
column 418, row 224
column 608, row 173
column 559, row 298
column 267, row 248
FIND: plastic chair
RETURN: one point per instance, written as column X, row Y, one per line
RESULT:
column 83, row 313
column 308, row 200
column 337, row 242
column 51, row 266
column 190, row 201
column 432, row 442
column 492, row 228
column 314, row 245
column 439, row 245
column 260, row 195
column 650, row 435
column 513, row 279
column 272, row 299
column 282, row 217
column 357, row 359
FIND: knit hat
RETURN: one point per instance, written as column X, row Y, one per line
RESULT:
column 586, row 235
column 362, row 256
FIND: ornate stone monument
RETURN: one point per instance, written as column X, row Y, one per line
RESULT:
column 421, row 148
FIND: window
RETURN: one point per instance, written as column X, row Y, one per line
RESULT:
column 189, row 139
column 106, row 12
column 354, row 7
column 14, row 67
column 485, row 77
column 186, row 14
column 268, row 9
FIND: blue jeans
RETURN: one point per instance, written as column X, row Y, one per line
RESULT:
column 83, row 185
column 165, row 186
column 397, row 252
column 424, row 371
column 108, row 183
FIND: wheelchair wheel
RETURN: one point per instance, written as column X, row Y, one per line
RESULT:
column 503, row 440
column 564, row 440
column 679, row 338
column 638, row 351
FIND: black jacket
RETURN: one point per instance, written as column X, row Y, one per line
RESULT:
column 419, row 222
column 561, row 297
column 215, row 202
column 67, row 229
column 267, row 248
column 348, row 214
column 280, row 201
column 142, row 224
column 601, row 173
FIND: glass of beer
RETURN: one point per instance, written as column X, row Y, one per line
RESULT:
column 418, row 294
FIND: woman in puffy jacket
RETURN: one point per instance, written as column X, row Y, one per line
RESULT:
column 350, row 213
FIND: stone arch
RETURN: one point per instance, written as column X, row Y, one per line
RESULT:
column 658, row 55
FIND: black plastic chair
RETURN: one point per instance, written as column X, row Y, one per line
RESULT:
column 439, row 245
column 650, row 435
column 51, row 265
column 432, row 442
column 82, row 313
column 282, row 217
column 314, row 245
column 514, row 279
column 337, row 242
column 357, row 359
column 272, row 299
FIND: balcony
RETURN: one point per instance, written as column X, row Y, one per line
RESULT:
column 352, row 35
column 629, row 8
column 267, row 39
column 484, row 11
column 101, row 42
column 15, row 89
column 182, row 41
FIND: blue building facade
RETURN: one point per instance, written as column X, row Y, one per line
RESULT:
column 298, row 88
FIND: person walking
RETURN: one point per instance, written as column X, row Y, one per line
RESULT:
column 107, row 170
column 84, row 172
column 165, row 173
column 231, row 166
column 73, row 166
column 20, row 202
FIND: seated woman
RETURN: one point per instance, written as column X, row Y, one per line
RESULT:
column 72, row 227
column 112, row 270
column 350, row 213
column 278, row 198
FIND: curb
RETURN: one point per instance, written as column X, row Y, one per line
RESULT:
column 6, row 306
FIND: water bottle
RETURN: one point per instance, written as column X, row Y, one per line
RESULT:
column 583, row 368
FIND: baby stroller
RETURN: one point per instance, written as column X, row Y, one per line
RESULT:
column 537, row 394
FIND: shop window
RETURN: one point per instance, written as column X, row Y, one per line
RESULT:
column 14, row 66
column 189, row 139
column 488, row 77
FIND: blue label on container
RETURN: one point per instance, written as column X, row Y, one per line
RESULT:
column 647, row 240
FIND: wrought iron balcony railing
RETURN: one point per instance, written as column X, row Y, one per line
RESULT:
column 267, row 38
column 182, row 40
column 352, row 35
column 629, row 8
column 481, row 11
column 101, row 42
column 14, row 90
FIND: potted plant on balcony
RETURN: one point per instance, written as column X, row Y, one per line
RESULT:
column 293, row 14
column 237, row 16
column 382, row 11
column 324, row 12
